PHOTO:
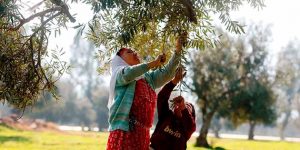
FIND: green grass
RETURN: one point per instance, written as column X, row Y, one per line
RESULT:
column 234, row 144
column 12, row 139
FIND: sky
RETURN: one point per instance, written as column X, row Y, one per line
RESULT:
column 282, row 15
column 82, row 14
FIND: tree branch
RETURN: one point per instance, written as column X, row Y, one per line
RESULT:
column 30, row 39
column 39, row 14
column 15, row 16
column 42, row 25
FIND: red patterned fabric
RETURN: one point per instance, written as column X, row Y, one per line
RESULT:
column 141, row 119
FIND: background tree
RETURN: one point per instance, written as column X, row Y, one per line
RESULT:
column 4, row 110
column 220, row 74
column 213, row 72
column 287, row 82
column 100, row 101
column 216, row 125
column 297, row 122
column 254, row 104
column 63, row 111
column 89, row 85
column 255, row 100
column 72, row 109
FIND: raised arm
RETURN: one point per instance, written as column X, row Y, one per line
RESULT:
column 129, row 73
column 164, row 95
column 162, row 100
column 160, row 77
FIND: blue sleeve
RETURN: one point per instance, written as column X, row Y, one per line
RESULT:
column 161, row 76
column 128, row 74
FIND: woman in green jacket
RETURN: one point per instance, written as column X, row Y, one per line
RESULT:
column 132, row 98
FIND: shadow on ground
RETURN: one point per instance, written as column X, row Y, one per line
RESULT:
column 4, row 139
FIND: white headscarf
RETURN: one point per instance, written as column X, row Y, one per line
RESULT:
column 117, row 64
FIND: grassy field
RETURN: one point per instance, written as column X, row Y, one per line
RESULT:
column 12, row 139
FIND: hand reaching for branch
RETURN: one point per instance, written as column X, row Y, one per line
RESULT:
column 160, row 60
column 181, row 42
column 180, row 74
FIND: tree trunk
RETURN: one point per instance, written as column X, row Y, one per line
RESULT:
column 201, row 140
column 216, row 132
column 284, row 124
column 90, row 128
column 99, row 127
column 251, row 130
column 216, row 126
column 82, row 126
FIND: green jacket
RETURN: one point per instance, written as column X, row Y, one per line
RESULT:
column 125, row 88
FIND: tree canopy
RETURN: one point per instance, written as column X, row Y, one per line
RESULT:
column 287, row 83
column 26, row 69
column 131, row 23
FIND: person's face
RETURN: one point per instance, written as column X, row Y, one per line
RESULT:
column 179, row 105
column 177, row 111
column 130, row 57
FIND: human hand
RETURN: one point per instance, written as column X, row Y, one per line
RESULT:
column 181, row 42
column 161, row 59
column 180, row 74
